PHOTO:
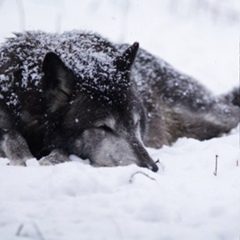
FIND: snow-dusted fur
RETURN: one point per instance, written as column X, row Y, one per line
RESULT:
column 179, row 106
column 77, row 93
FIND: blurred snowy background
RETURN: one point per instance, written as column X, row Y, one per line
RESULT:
column 185, row 200
column 199, row 37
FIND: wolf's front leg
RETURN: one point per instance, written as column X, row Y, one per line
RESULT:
column 14, row 147
column 55, row 157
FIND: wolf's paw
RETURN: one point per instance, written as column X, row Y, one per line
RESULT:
column 17, row 163
column 55, row 157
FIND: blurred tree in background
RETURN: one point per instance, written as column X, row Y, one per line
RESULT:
column 217, row 10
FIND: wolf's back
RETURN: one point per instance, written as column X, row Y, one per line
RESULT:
column 21, row 59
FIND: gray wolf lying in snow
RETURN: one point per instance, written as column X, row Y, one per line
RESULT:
column 77, row 93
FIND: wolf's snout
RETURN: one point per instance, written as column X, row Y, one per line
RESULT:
column 144, row 159
column 153, row 167
column 150, row 164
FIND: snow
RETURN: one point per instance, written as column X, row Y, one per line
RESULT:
column 184, row 200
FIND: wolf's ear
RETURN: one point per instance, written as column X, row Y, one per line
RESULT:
column 57, row 82
column 125, row 61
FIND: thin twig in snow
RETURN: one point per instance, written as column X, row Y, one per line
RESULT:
column 139, row 172
column 19, row 229
column 163, row 167
column 36, row 228
column 216, row 165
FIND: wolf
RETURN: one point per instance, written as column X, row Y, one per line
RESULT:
column 78, row 93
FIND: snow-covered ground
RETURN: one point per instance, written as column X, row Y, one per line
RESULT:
column 184, row 200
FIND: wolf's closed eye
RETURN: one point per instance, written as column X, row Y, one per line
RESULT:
column 105, row 128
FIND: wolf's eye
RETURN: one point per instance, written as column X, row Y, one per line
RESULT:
column 105, row 128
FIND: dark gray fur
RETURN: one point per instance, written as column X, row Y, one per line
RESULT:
column 77, row 93
column 179, row 106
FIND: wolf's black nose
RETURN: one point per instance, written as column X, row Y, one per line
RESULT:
column 151, row 166
column 154, row 167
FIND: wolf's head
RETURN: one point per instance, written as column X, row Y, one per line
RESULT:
column 96, row 115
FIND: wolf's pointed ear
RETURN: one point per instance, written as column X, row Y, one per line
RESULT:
column 57, row 82
column 125, row 61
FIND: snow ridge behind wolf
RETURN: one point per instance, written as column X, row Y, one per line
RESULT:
column 77, row 93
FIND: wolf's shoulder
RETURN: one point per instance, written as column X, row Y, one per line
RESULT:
column 26, row 51
column 38, row 42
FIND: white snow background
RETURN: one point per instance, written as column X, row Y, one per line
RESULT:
column 184, row 200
